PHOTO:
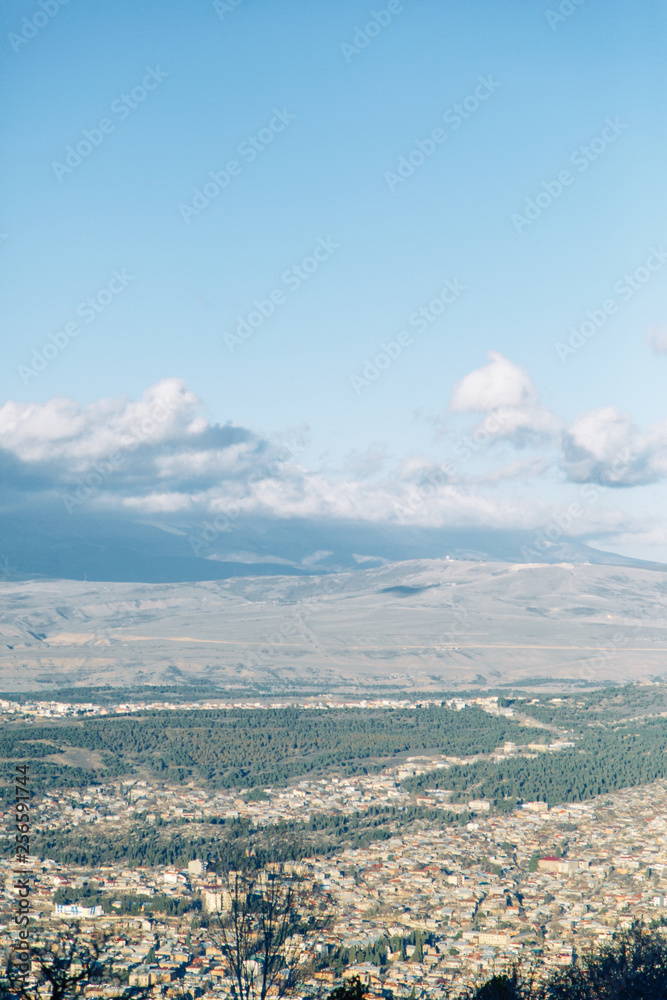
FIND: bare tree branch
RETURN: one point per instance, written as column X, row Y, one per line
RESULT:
column 266, row 923
column 60, row 970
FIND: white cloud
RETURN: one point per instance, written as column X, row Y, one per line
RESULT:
column 658, row 340
column 159, row 503
column 522, row 424
column 367, row 463
column 161, row 437
column 413, row 467
column 605, row 446
column 533, row 467
column 506, row 391
column 501, row 383
column 167, row 460
column 643, row 541
column 60, row 429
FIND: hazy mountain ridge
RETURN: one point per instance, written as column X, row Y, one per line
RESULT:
column 171, row 550
column 425, row 623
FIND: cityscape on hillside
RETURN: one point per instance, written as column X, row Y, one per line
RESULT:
column 447, row 890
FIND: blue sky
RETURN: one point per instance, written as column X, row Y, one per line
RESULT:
column 325, row 175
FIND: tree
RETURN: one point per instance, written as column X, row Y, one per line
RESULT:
column 267, row 919
column 511, row 986
column 633, row 965
column 61, row 969
column 353, row 989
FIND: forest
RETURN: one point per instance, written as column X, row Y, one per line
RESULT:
column 606, row 706
column 602, row 760
column 238, row 843
column 249, row 748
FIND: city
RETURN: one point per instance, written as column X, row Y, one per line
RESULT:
column 465, row 901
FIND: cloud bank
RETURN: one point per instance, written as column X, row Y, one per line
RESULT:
column 160, row 457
